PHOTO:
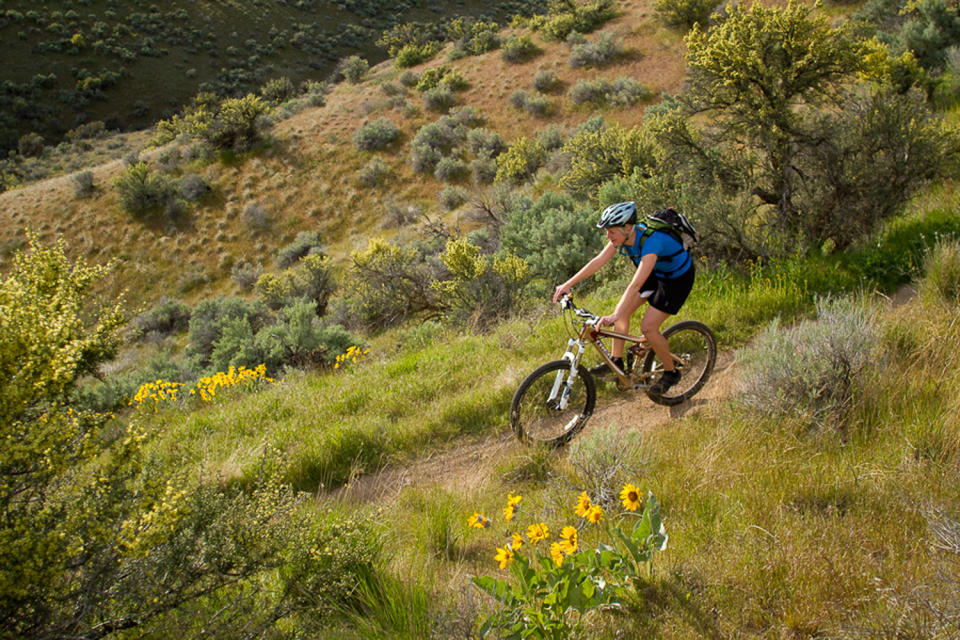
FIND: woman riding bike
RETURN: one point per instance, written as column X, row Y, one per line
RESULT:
column 664, row 278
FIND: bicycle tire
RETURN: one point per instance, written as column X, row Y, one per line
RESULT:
column 537, row 420
column 695, row 345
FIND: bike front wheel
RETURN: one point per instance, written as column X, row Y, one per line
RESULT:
column 552, row 404
column 694, row 350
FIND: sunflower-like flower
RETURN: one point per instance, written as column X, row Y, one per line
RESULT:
column 594, row 514
column 568, row 540
column 504, row 556
column 538, row 532
column 583, row 504
column 478, row 520
column 556, row 552
column 508, row 512
column 630, row 496
column 516, row 541
column 513, row 500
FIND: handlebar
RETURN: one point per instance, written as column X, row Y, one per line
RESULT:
column 566, row 303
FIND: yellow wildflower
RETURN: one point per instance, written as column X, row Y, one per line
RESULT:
column 556, row 553
column 504, row 556
column 594, row 514
column 630, row 496
column 516, row 542
column 538, row 532
column 508, row 512
column 568, row 540
column 478, row 520
column 583, row 504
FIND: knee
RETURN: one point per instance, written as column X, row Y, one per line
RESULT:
column 649, row 328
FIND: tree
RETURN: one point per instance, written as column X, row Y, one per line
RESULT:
column 755, row 72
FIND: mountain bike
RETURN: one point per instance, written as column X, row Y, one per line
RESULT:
column 554, row 402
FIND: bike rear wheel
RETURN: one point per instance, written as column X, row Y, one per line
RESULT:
column 551, row 405
column 695, row 352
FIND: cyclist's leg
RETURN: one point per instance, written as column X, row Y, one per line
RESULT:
column 650, row 327
column 623, row 325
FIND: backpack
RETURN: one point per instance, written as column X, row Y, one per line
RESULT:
column 674, row 223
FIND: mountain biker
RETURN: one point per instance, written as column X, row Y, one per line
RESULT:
column 664, row 278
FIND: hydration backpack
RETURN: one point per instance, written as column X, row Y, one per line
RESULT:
column 674, row 223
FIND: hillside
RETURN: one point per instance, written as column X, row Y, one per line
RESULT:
column 306, row 177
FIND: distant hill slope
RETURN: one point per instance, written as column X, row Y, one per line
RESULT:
column 130, row 62
column 306, row 178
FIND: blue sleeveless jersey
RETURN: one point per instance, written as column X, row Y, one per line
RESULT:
column 672, row 260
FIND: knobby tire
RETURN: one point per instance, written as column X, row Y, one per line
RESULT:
column 695, row 344
column 535, row 419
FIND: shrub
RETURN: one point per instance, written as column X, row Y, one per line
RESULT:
column 87, row 131
column 299, row 338
column 551, row 137
column 238, row 124
column 376, row 135
column 685, row 13
column 565, row 18
column 30, row 145
column 210, row 317
column 450, row 169
column 546, row 81
column 374, row 173
column 599, row 156
column 354, row 68
column 484, row 170
column 621, row 92
column 311, row 279
column 439, row 99
column 485, row 143
column 409, row 78
column 411, row 54
column 482, row 289
column 167, row 316
column 534, row 105
column 278, row 90
column 193, row 187
column 245, row 274
column 142, row 190
column 595, row 54
column 452, row 197
column 519, row 49
column 256, row 217
column 812, row 370
column 306, row 243
column 436, row 140
column 518, row 163
column 389, row 283
column 83, row 186
column 555, row 235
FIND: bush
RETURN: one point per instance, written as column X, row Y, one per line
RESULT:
column 374, row 173
column 30, row 145
column 376, row 135
column 245, row 274
column 311, row 280
column 450, row 169
column 412, row 54
column 256, row 217
column 141, row 190
column 484, row 170
column 435, row 141
column 685, row 13
column 409, row 78
column 87, row 131
column 519, row 49
column 555, row 235
column 167, row 316
column 813, row 370
column 193, row 187
column 278, row 90
column 485, row 143
column 211, row 316
column 299, row 338
column 621, row 92
column 238, row 124
column 452, row 197
column 565, row 18
column 521, row 161
column 83, row 186
column 534, row 105
column 599, row 156
column 439, row 99
column 354, row 68
column 546, row 81
column 599, row 53
column 306, row 243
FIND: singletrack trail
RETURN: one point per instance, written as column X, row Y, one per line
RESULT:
column 469, row 462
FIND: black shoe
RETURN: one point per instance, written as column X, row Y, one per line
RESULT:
column 667, row 380
column 603, row 369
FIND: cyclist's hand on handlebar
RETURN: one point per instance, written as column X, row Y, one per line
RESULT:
column 607, row 320
column 561, row 290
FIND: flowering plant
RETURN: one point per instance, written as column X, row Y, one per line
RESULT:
column 552, row 590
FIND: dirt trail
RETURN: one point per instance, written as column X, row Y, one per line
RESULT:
column 470, row 462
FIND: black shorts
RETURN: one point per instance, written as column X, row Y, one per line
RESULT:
column 668, row 294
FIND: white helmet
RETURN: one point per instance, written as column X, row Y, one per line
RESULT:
column 617, row 215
